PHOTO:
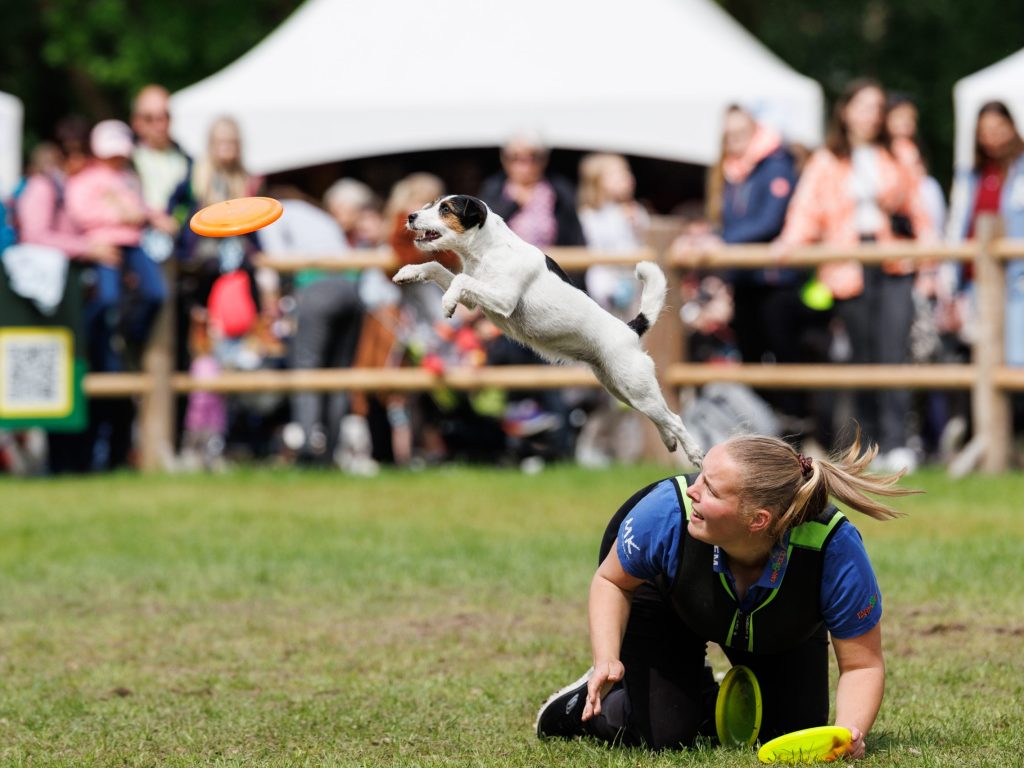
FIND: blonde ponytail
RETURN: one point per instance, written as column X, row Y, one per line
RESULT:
column 796, row 489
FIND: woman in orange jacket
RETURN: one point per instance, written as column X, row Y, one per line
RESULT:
column 854, row 191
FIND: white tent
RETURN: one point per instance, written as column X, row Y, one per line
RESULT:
column 11, row 113
column 342, row 79
column 1000, row 81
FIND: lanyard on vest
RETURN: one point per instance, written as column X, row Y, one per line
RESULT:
column 811, row 536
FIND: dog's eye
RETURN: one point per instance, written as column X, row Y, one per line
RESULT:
column 444, row 208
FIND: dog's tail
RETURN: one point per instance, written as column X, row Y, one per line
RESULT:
column 653, row 297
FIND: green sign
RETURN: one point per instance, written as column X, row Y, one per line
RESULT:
column 42, row 361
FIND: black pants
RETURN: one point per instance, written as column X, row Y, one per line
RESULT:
column 772, row 323
column 878, row 324
column 664, row 699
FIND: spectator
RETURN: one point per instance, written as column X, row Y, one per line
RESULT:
column 934, row 285
column 161, row 164
column 539, row 207
column 328, row 319
column 6, row 230
column 206, row 419
column 849, row 193
column 748, row 191
column 219, row 175
column 42, row 218
column 993, row 185
column 72, row 135
column 612, row 220
column 901, row 118
column 348, row 201
column 104, row 201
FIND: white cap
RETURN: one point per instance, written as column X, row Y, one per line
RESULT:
column 111, row 138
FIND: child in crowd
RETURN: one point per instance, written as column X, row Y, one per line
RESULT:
column 104, row 200
column 612, row 220
column 206, row 419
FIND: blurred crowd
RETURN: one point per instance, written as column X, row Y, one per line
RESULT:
column 115, row 199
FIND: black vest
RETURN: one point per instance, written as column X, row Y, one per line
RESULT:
column 788, row 615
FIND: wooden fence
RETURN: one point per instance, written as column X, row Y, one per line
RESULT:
column 987, row 379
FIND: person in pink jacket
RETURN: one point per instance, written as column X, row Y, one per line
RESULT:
column 104, row 201
column 854, row 191
column 42, row 218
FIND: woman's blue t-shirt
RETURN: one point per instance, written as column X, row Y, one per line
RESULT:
column 851, row 603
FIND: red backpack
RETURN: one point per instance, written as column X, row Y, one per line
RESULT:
column 231, row 306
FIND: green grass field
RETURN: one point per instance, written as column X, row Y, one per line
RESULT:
column 288, row 618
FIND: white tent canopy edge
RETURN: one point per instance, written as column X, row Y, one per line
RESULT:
column 999, row 82
column 339, row 80
column 11, row 118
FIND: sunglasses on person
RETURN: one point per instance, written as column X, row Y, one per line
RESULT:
column 535, row 157
column 153, row 117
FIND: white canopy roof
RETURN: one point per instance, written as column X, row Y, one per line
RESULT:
column 1000, row 81
column 342, row 79
column 11, row 113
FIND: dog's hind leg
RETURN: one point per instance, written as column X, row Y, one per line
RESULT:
column 422, row 273
column 637, row 386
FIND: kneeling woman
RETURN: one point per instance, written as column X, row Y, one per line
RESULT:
column 749, row 554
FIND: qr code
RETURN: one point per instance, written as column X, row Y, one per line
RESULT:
column 36, row 375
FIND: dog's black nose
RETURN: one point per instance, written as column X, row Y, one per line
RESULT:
column 412, row 217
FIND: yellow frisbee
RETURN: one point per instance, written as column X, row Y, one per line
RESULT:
column 811, row 745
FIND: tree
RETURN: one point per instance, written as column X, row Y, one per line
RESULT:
column 91, row 56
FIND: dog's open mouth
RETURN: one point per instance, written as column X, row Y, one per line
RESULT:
column 426, row 235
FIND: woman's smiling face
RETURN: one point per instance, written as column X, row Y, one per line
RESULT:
column 716, row 517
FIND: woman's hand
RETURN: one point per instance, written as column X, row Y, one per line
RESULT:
column 611, row 592
column 781, row 251
column 605, row 675
column 861, row 684
column 104, row 254
column 163, row 222
column 856, row 749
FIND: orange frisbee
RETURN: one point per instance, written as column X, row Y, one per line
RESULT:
column 236, row 217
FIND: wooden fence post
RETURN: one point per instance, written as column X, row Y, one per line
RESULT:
column 664, row 341
column 990, row 405
column 156, row 408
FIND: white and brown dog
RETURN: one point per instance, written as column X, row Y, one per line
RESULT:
column 529, row 297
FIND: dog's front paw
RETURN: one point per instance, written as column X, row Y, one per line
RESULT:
column 410, row 273
column 448, row 305
column 452, row 296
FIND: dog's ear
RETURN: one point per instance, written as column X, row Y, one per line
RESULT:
column 471, row 212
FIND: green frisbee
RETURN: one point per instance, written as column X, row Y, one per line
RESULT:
column 738, row 708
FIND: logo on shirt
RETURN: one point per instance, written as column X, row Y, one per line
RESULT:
column 862, row 614
column 776, row 565
column 628, row 542
column 779, row 187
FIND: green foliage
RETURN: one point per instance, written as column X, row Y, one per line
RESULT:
column 310, row 619
column 91, row 56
